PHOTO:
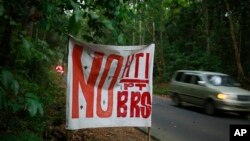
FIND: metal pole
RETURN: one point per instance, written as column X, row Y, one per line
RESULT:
column 149, row 134
column 68, row 135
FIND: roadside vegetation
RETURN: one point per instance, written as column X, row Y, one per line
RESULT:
column 161, row 89
column 207, row 35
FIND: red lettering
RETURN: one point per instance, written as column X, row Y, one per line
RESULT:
column 140, row 86
column 78, row 78
column 134, row 108
column 146, row 105
column 126, row 85
column 137, row 56
column 134, row 81
column 127, row 66
column 140, row 104
column 122, row 99
column 147, row 65
column 108, row 112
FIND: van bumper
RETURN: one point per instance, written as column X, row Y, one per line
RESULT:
column 236, row 107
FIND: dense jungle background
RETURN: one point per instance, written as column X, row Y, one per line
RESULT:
column 211, row 35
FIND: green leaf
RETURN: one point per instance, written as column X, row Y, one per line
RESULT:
column 7, row 78
column 16, row 106
column 15, row 87
column 40, row 109
column 33, row 104
column 3, row 99
column 26, row 43
column 93, row 15
column 1, row 10
column 31, row 96
column 120, row 39
column 78, row 15
column 108, row 24
column 32, row 107
column 74, row 26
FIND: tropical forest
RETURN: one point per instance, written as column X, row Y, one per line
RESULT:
column 208, row 35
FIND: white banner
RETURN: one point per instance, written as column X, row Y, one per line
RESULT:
column 109, row 86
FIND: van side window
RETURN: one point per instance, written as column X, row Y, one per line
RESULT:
column 187, row 78
column 196, row 79
column 178, row 76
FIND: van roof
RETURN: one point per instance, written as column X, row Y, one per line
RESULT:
column 200, row 72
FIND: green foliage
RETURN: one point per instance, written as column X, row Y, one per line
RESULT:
column 75, row 19
column 34, row 39
column 33, row 104
column 12, row 100
column 22, row 136
column 160, row 90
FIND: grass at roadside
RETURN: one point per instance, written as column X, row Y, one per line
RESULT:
column 161, row 89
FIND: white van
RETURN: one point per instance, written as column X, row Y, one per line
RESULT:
column 210, row 90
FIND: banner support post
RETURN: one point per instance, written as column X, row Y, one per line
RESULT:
column 149, row 134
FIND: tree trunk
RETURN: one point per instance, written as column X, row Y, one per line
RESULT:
column 133, row 34
column 153, row 38
column 163, row 63
column 5, row 45
column 235, row 44
column 208, row 48
column 134, row 22
column 140, row 32
column 157, row 61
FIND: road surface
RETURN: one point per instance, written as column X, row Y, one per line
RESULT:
column 189, row 123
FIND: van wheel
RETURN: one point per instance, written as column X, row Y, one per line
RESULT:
column 210, row 108
column 177, row 100
column 244, row 114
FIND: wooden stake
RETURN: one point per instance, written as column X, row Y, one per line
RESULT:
column 149, row 134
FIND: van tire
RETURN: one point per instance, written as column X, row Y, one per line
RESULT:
column 177, row 100
column 210, row 107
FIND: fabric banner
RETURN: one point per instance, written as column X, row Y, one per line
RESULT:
column 109, row 86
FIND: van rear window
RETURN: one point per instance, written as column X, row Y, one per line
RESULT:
column 187, row 78
column 178, row 76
